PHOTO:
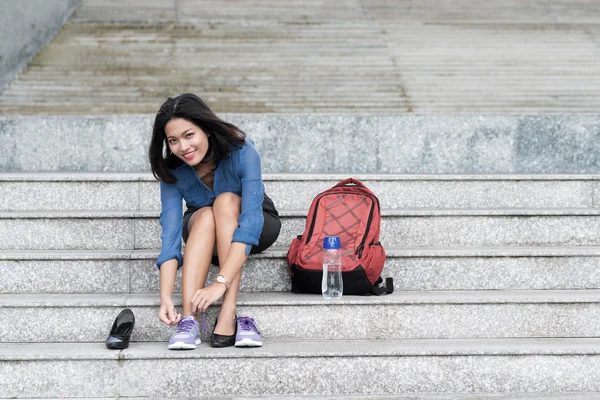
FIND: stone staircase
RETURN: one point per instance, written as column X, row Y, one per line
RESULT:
column 315, row 56
column 490, row 221
column 496, row 294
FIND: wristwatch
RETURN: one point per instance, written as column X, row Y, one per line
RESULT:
column 221, row 279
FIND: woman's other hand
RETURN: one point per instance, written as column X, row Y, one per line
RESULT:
column 203, row 298
column 167, row 313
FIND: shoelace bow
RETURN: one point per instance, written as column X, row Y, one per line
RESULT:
column 186, row 325
column 247, row 324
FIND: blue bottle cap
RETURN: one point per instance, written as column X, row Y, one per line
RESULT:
column 331, row 242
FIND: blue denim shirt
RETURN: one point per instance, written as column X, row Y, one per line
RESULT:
column 239, row 173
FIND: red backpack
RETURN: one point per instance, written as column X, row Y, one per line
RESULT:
column 351, row 211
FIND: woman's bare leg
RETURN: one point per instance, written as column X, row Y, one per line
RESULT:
column 226, row 210
column 198, row 253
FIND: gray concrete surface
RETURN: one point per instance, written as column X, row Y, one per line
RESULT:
column 537, row 56
column 492, row 369
column 331, row 143
column 26, row 26
column 513, row 256
column 123, row 272
column 112, row 230
column 140, row 191
column 414, row 315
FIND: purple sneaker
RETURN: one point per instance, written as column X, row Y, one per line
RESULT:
column 247, row 334
column 187, row 335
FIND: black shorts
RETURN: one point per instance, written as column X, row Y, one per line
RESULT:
column 268, row 236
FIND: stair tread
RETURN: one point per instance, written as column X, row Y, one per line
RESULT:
column 310, row 348
column 68, row 176
column 444, row 396
column 281, row 252
column 405, row 212
column 292, row 299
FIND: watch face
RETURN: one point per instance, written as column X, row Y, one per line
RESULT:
column 221, row 279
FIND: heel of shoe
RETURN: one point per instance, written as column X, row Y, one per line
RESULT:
column 121, row 330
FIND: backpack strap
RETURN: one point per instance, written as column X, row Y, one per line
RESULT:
column 358, row 185
column 350, row 181
column 378, row 290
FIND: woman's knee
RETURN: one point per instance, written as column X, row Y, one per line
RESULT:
column 227, row 204
column 203, row 219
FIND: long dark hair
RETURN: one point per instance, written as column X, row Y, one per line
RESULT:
column 223, row 135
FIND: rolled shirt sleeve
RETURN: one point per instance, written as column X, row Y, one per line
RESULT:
column 251, row 219
column 171, row 222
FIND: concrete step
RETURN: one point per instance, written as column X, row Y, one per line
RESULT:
column 398, row 369
column 439, row 57
column 220, row 10
column 465, row 11
column 325, row 143
column 137, row 230
column 107, row 49
column 284, row 315
column 140, row 191
column 127, row 271
column 548, row 105
column 446, row 396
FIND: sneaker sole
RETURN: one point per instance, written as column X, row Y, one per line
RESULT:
column 183, row 346
column 247, row 342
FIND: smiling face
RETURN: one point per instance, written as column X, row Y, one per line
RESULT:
column 186, row 140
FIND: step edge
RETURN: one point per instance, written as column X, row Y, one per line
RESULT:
column 288, row 299
column 281, row 253
column 292, row 177
column 499, row 347
column 298, row 213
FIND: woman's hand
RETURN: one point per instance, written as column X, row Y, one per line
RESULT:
column 167, row 313
column 205, row 297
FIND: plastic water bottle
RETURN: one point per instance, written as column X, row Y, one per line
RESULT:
column 332, row 285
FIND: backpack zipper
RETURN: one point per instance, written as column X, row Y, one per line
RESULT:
column 312, row 224
column 361, row 246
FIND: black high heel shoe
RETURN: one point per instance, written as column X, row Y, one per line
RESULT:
column 217, row 340
column 121, row 331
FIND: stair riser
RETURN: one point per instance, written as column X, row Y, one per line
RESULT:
column 322, row 321
column 404, row 231
column 301, row 143
column 59, row 378
column 123, row 276
column 259, row 274
column 298, row 375
column 292, row 195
